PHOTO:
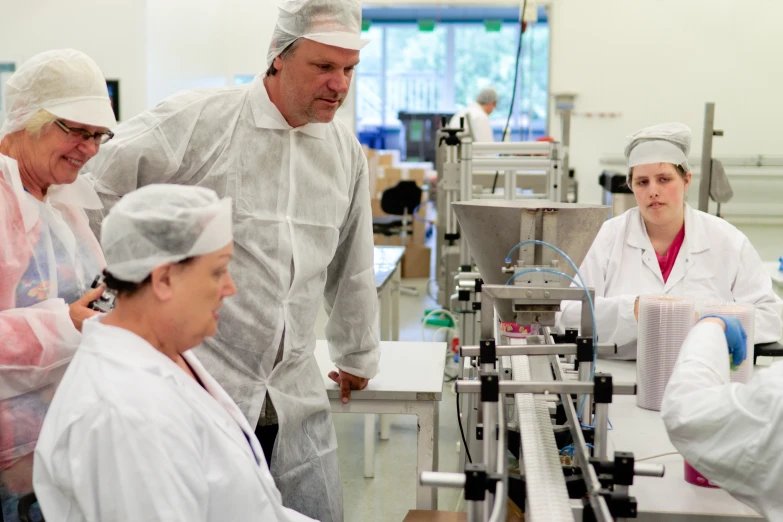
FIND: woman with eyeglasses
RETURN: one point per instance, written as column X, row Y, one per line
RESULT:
column 58, row 115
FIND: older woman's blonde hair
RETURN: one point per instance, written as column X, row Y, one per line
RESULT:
column 39, row 121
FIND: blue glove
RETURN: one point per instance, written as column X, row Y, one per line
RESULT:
column 736, row 338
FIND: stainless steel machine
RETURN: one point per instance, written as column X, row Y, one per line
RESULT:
column 535, row 396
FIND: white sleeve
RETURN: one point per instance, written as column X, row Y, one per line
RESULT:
column 125, row 466
column 753, row 285
column 350, row 295
column 614, row 316
column 728, row 432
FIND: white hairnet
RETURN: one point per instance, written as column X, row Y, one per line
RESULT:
column 161, row 224
column 64, row 82
column 664, row 143
column 487, row 95
column 330, row 22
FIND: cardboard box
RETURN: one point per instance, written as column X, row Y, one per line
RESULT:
column 382, row 240
column 416, row 261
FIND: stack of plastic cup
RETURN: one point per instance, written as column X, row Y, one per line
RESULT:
column 664, row 323
column 746, row 313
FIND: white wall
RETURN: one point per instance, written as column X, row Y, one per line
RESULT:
column 113, row 33
column 660, row 60
column 204, row 43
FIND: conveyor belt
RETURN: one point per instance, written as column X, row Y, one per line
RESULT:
column 547, row 496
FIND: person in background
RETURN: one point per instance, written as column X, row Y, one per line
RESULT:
column 302, row 230
column 729, row 432
column 664, row 246
column 58, row 116
column 477, row 115
column 138, row 429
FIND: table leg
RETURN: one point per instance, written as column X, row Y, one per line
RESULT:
column 427, row 453
column 369, row 445
column 385, row 311
column 396, row 282
column 393, row 310
column 385, row 426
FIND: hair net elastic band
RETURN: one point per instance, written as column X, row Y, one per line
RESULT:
column 657, row 151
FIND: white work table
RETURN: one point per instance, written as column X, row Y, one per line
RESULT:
column 773, row 268
column 410, row 382
column 388, row 272
column 669, row 498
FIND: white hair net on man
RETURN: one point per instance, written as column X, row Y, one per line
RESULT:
column 64, row 82
column 487, row 95
column 161, row 224
column 664, row 143
column 330, row 22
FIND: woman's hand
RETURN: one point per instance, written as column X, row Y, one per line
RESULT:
column 79, row 310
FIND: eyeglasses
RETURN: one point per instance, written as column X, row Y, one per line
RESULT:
column 80, row 135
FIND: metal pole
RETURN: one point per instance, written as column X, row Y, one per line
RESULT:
column 585, row 369
column 465, row 194
column 474, row 510
column 601, row 430
column 565, row 123
column 706, row 157
column 489, row 410
column 509, row 190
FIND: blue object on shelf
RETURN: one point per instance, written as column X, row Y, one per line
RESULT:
column 780, row 260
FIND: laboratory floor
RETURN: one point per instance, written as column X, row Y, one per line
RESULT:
column 392, row 492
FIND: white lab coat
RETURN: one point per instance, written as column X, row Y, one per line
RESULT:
column 716, row 263
column 729, row 432
column 302, row 234
column 479, row 122
column 130, row 436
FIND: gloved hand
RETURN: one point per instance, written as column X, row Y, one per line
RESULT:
column 736, row 338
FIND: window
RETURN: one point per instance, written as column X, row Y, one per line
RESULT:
column 6, row 70
column 440, row 71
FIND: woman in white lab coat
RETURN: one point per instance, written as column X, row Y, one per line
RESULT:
column 138, row 430
column 729, row 432
column 664, row 246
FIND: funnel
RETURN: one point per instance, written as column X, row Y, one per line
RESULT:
column 493, row 227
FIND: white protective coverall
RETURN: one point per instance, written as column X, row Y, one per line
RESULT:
column 729, row 432
column 302, row 231
column 130, row 437
column 48, row 258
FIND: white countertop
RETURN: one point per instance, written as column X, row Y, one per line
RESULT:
column 386, row 259
column 408, row 371
column 773, row 268
column 643, row 432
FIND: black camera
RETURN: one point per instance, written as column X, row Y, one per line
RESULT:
column 105, row 303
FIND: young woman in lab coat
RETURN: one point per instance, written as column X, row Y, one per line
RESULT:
column 664, row 246
column 138, row 430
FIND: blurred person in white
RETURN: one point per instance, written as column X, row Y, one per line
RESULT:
column 138, row 429
column 664, row 246
column 302, row 232
column 729, row 432
column 477, row 115
column 58, row 115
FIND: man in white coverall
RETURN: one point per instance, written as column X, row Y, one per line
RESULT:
column 302, row 231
